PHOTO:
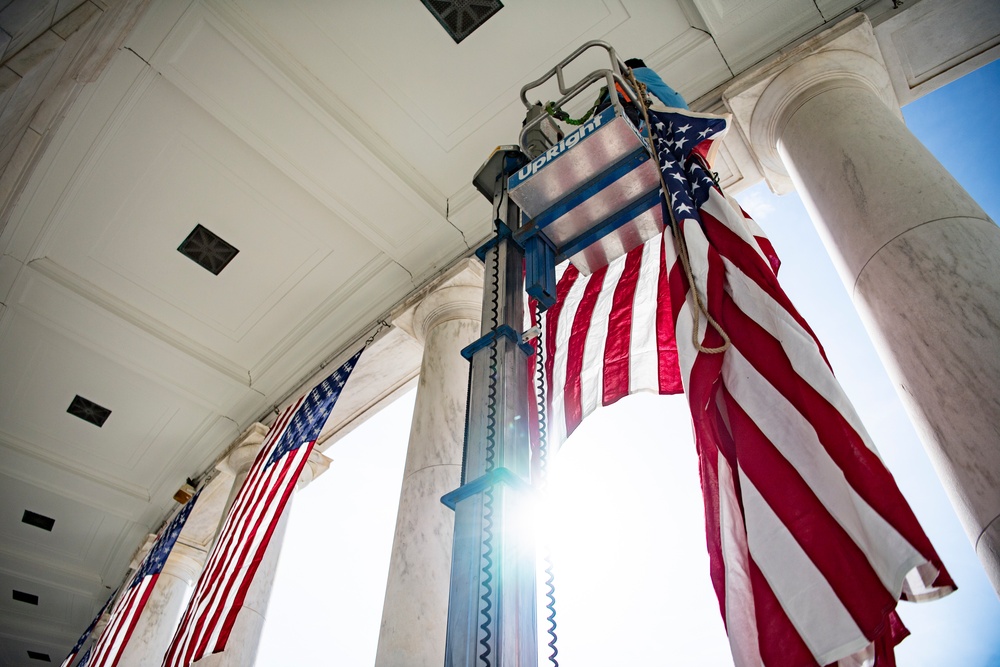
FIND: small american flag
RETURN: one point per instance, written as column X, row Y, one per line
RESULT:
column 222, row 587
column 127, row 610
column 86, row 633
column 811, row 543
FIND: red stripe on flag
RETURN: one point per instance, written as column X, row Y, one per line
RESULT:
column 616, row 351
column 779, row 642
column 552, row 325
column 708, row 472
column 666, row 341
column 577, row 348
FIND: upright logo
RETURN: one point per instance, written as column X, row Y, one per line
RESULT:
column 589, row 127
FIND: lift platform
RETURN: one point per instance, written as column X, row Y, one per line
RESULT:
column 592, row 196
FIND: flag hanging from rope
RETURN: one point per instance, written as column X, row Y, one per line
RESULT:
column 811, row 543
column 222, row 587
column 107, row 650
column 86, row 633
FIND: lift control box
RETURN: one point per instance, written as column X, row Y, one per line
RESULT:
column 594, row 196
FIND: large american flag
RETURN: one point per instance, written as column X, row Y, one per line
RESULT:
column 811, row 543
column 86, row 633
column 107, row 650
column 222, row 587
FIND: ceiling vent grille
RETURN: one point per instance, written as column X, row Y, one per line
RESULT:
column 27, row 598
column 207, row 250
column 461, row 17
column 35, row 655
column 38, row 520
column 88, row 411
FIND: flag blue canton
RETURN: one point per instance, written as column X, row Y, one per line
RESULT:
column 315, row 410
column 676, row 136
column 157, row 557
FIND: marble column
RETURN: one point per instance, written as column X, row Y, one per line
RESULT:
column 919, row 256
column 158, row 622
column 414, row 617
column 241, row 649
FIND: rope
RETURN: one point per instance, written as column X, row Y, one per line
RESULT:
column 682, row 250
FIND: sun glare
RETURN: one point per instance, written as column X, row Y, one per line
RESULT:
column 625, row 526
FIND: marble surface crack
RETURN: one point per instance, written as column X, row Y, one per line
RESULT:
column 447, row 216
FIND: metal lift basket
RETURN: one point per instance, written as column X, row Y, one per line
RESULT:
column 594, row 196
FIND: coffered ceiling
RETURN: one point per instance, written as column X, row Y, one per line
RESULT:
column 332, row 144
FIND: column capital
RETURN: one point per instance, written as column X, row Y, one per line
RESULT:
column 316, row 465
column 142, row 551
column 456, row 295
column 762, row 101
column 241, row 457
column 185, row 562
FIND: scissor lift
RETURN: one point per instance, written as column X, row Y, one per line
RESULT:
column 590, row 197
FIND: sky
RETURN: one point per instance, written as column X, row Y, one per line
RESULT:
column 626, row 526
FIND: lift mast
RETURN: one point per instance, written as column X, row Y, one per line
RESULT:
column 588, row 197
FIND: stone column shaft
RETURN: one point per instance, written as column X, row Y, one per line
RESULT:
column 416, row 598
column 920, row 257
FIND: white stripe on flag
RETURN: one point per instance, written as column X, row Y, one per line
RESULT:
column 741, row 621
column 592, row 375
column 643, row 349
column 564, row 329
column 811, row 604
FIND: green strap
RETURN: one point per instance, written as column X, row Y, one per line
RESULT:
column 561, row 115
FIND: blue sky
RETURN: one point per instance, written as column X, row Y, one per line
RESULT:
column 632, row 574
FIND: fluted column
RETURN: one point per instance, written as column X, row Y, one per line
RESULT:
column 241, row 649
column 414, row 617
column 919, row 256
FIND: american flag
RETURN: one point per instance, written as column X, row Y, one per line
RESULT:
column 86, row 634
column 107, row 650
column 811, row 543
column 222, row 587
